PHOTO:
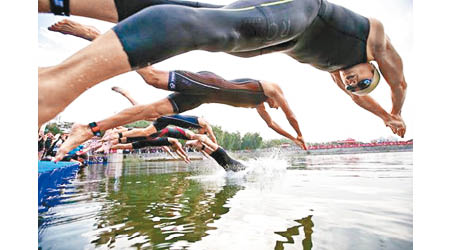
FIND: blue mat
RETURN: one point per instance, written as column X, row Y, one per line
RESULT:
column 50, row 177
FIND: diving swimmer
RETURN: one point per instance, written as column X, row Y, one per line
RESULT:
column 184, row 121
column 191, row 91
column 317, row 32
column 202, row 143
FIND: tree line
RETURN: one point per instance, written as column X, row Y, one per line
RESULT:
column 228, row 140
column 234, row 140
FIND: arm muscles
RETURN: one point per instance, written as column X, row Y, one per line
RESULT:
column 273, row 125
column 290, row 116
column 391, row 67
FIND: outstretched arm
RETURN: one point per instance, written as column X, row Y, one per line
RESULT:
column 290, row 116
column 273, row 125
column 368, row 103
column 390, row 64
column 207, row 128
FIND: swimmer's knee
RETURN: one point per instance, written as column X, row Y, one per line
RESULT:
column 43, row 6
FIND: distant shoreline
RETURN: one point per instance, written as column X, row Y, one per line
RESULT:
column 332, row 151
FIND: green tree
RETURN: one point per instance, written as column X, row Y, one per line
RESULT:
column 275, row 142
column 138, row 124
column 53, row 127
column 251, row 141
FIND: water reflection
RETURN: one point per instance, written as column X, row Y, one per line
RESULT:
column 307, row 225
column 356, row 202
column 141, row 208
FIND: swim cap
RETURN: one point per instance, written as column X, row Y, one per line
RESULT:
column 367, row 85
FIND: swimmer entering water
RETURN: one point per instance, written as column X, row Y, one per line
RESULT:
column 327, row 36
column 201, row 143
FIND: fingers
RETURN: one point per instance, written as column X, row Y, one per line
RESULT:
column 183, row 155
column 303, row 145
column 401, row 132
column 180, row 155
column 179, row 150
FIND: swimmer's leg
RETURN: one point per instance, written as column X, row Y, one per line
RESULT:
column 61, row 84
column 115, row 10
column 152, row 76
column 163, row 31
column 81, row 133
column 99, row 9
column 203, row 143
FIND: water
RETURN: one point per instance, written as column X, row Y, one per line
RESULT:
column 357, row 201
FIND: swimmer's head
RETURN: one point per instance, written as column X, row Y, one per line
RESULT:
column 360, row 79
column 272, row 103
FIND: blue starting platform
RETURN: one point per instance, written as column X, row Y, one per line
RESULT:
column 50, row 177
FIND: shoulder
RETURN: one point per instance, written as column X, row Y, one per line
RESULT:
column 377, row 38
column 271, row 88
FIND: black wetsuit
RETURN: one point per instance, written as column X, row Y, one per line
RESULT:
column 325, row 35
column 194, row 89
column 184, row 121
column 224, row 160
column 166, row 132
column 155, row 142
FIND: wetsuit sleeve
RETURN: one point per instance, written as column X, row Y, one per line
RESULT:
column 151, row 143
column 224, row 160
column 161, row 123
column 183, row 121
column 171, row 132
column 135, row 139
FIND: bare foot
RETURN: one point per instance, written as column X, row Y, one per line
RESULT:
column 126, row 94
column 79, row 134
column 69, row 27
column 120, row 90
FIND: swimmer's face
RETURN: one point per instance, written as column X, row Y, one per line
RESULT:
column 354, row 74
column 272, row 103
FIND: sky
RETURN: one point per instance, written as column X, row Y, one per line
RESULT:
column 323, row 111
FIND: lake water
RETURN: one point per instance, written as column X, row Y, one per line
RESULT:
column 353, row 201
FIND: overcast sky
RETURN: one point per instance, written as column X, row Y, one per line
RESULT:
column 324, row 112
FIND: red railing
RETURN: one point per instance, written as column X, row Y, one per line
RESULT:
column 357, row 145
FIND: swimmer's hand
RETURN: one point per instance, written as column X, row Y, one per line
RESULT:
column 178, row 148
column 109, row 137
column 300, row 142
column 397, row 125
